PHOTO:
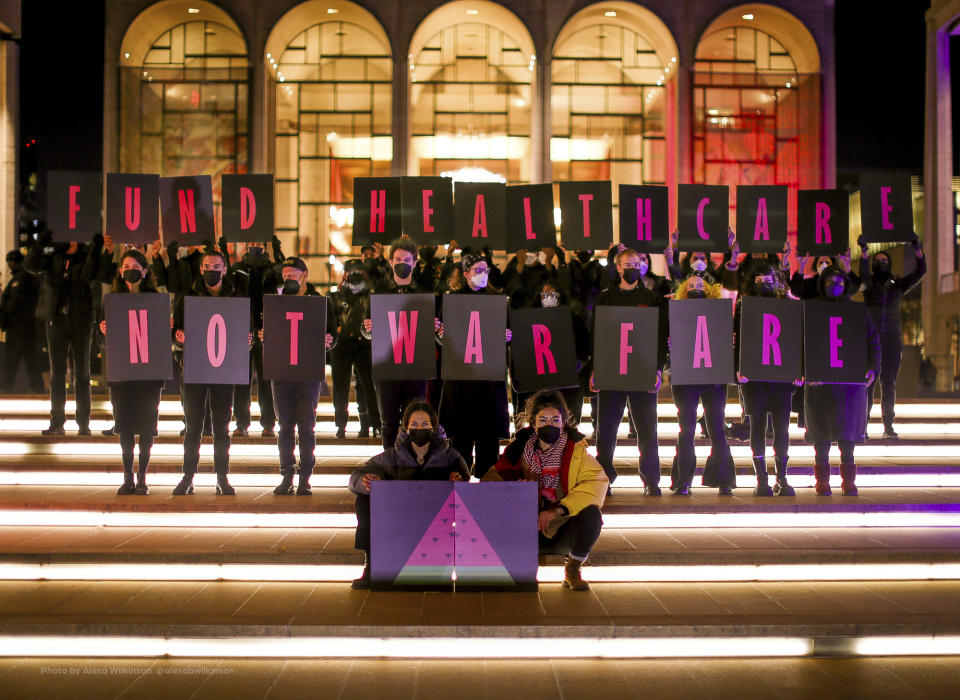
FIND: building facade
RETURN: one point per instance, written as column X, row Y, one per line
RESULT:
column 320, row 92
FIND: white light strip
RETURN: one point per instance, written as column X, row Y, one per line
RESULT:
column 906, row 646
column 405, row 647
column 164, row 572
column 41, row 517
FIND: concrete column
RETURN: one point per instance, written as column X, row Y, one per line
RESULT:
column 828, row 108
column 9, row 142
column 540, row 125
column 260, row 148
column 401, row 114
column 684, row 81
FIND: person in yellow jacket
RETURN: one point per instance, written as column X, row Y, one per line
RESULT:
column 572, row 483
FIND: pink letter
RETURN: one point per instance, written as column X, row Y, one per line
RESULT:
column 378, row 210
column 625, row 347
column 294, row 317
column 74, row 207
column 700, row 207
column 427, row 211
column 761, row 231
column 248, row 208
column 585, row 201
column 541, row 348
column 403, row 337
column 479, row 218
column 886, row 208
column 131, row 209
column 528, row 220
column 188, row 213
column 701, row 345
column 474, row 351
column 139, row 347
column 216, row 340
column 644, row 220
column 771, row 339
column 822, row 218
column 835, row 342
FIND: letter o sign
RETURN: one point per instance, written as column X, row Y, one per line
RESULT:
column 216, row 340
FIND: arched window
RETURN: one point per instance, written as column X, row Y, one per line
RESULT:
column 331, row 76
column 757, row 103
column 471, row 70
column 612, row 97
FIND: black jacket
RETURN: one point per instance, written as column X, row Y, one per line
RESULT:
column 18, row 304
column 65, row 291
column 641, row 296
column 883, row 294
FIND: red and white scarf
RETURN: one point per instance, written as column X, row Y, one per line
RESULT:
column 545, row 464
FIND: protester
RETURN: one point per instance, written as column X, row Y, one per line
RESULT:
column 571, row 483
column 18, row 320
column 421, row 452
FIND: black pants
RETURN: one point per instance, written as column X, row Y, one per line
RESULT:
column 719, row 469
column 296, row 404
column 643, row 406
column 352, row 357
column 392, row 398
column 241, row 393
column 576, row 537
column 891, row 353
column 74, row 337
column 487, row 447
column 361, row 536
column 768, row 398
column 22, row 343
column 221, row 400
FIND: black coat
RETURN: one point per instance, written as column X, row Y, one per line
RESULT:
column 65, row 291
column 400, row 463
column 18, row 304
column 883, row 294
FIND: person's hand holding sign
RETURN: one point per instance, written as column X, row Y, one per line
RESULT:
column 369, row 479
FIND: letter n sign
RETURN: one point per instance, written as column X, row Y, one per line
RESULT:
column 771, row 335
column 403, row 336
column 835, row 342
column 138, row 337
column 701, row 341
column 474, row 326
column 294, row 334
column 216, row 346
column 542, row 350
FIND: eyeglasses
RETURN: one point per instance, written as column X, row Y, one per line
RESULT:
column 479, row 270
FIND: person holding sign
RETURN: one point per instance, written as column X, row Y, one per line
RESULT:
column 631, row 267
column 838, row 412
column 421, row 453
column 761, row 398
column 136, row 404
column 883, row 294
column 719, row 470
column 572, row 484
column 211, row 283
column 18, row 319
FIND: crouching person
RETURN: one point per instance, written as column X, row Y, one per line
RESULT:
column 571, row 482
column 420, row 453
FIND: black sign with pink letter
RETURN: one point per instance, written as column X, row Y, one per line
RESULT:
column 823, row 222
column 186, row 209
column 216, row 347
column 625, row 348
column 294, row 338
column 834, row 342
column 771, row 339
column 530, row 217
column 703, row 217
column 701, row 341
column 404, row 345
column 586, row 215
column 73, row 205
column 542, row 354
column 248, row 208
column 138, row 337
column 644, row 217
column 378, row 216
column 428, row 209
column 479, row 214
column 886, row 207
column 133, row 212
column 474, row 336
column 761, row 218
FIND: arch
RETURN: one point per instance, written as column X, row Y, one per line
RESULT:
column 163, row 16
column 295, row 20
column 627, row 14
column 481, row 12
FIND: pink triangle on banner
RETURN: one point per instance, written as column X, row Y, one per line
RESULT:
column 435, row 549
column 472, row 547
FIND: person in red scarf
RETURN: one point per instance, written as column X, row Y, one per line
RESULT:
column 572, row 483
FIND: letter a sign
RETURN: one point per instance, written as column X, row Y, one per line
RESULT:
column 474, row 327
column 138, row 337
column 403, row 336
column 294, row 333
column 216, row 347
column 701, row 341
column 771, row 339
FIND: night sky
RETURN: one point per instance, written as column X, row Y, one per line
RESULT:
column 880, row 84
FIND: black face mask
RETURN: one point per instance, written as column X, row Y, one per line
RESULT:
column 212, row 277
column 631, row 275
column 696, row 294
column 402, row 270
column 420, row 436
column 291, row 286
column 132, row 276
column 881, row 267
column 765, row 289
column 833, row 287
column 548, row 433
column 584, row 256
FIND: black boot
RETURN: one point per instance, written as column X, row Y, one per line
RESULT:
column 285, row 487
column 782, row 488
column 303, row 486
column 185, row 487
column 128, row 487
column 223, row 486
column 763, row 487
column 341, row 433
column 363, row 583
